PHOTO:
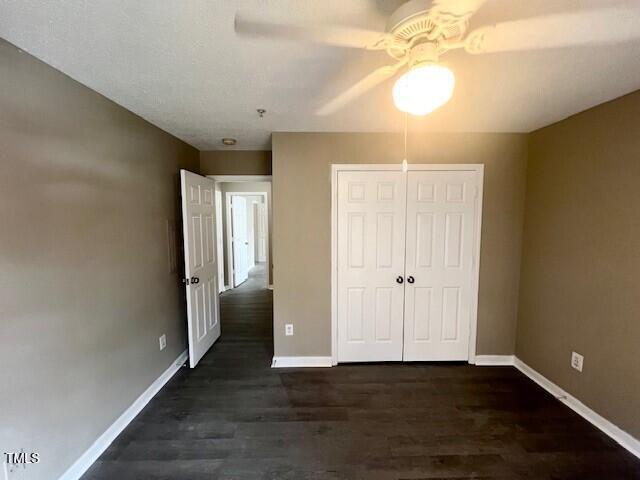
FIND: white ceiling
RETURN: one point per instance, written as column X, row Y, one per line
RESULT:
column 179, row 64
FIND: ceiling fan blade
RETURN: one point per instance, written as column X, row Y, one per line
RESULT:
column 329, row 35
column 367, row 83
column 592, row 27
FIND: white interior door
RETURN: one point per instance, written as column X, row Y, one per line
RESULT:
column 439, row 264
column 198, row 218
column 371, row 235
column 240, row 240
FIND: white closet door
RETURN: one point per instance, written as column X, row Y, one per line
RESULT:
column 439, row 257
column 371, row 234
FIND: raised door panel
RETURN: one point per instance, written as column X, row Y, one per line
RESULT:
column 355, row 238
column 200, row 301
column 196, row 241
column 383, row 314
column 424, row 239
column 209, row 239
column 453, row 239
column 194, row 194
column 449, row 330
column 355, row 315
column 384, row 240
column 422, row 313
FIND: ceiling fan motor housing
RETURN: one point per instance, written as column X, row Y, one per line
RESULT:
column 410, row 19
column 427, row 20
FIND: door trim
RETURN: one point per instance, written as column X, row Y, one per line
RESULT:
column 478, row 168
column 227, row 202
column 241, row 178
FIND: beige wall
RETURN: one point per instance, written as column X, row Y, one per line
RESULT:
column 86, row 190
column 580, row 284
column 302, row 226
column 235, row 162
column 241, row 187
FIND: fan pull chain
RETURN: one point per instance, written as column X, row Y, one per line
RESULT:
column 405, row 164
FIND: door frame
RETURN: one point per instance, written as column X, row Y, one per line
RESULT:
column 227, row 202
column 219, row 237
column 478, row 168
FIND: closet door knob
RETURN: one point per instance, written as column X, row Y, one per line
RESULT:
column 411, row 279
column 195, row 280
column 399, row 279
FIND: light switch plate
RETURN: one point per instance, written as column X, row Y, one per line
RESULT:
column 162, row 340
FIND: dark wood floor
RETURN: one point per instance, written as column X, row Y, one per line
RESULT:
column 234, row 417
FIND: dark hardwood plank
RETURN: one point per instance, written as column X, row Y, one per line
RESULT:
column 235, row 418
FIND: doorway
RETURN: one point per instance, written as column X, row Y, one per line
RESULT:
column 244, row 243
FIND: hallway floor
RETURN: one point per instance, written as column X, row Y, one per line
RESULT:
column 235, row 418
column 257, row 278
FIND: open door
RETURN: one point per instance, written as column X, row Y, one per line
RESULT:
column 200, row 263
column 240, row 239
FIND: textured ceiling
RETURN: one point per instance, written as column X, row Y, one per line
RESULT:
column 179, row 64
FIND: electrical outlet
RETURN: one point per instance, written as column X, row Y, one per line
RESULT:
column 576, row 361
column 162, row 340
column 288, row 329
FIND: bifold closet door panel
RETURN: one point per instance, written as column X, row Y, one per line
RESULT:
column 439, row 269
column 371, row 236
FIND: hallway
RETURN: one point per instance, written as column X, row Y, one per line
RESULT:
column 236, row 418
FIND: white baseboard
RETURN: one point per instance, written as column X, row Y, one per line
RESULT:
column 623, row 438
column 495, row 360
column 291, row 362
column 100, row 445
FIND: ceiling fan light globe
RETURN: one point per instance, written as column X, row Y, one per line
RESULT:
column 423, row 89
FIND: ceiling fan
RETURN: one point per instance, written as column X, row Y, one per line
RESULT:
column 419, row 32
